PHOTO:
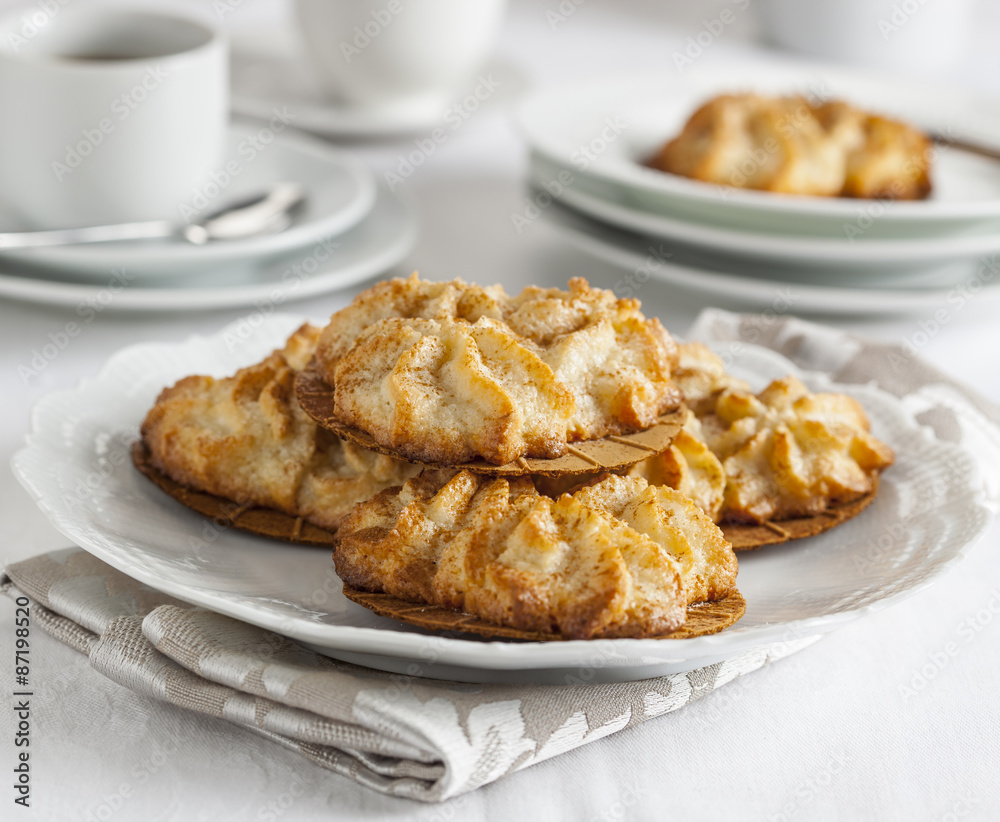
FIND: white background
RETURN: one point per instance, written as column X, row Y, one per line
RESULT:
column 831, row 733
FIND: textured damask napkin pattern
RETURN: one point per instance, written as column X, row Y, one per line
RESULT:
column 421, row 738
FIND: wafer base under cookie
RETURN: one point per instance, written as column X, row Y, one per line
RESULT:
column 703, row 618
column 264, row 522
column 612, row 453
column 750, row 536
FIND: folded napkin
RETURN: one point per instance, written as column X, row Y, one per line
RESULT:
column 420, row 738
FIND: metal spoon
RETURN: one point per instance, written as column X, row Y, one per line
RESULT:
column 265, row 213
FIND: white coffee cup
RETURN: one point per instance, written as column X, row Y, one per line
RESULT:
column 913, row 36
column 109, row 114
column 413, row 54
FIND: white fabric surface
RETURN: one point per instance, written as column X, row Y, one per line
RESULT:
column 830, row 733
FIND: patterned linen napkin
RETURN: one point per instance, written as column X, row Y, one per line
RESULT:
column 419, row 738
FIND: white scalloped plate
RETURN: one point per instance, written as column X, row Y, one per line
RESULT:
column 930, row 509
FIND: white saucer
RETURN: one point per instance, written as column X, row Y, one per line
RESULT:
column 263, row 81
column 340, row 191
column 746, row 286
column 373, row 246
column 606, row 130
column 932, row 497
column 269, row 72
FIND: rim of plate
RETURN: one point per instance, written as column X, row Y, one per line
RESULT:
column 537, row 106
column 327, row 118
column 792, row 247
column 489, row 655
column 815, row 299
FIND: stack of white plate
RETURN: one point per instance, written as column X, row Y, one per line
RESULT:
column 350, row 228
column 588, row 147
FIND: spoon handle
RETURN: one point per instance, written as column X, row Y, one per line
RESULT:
column 965, row 145
column 88, row 234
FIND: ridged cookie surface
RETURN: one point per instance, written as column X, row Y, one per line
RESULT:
column 499, row 550
column 787, row 452
column 447, row 391
column 689, row 466
column 701, row 376
column 447, row 372
column 245, row 438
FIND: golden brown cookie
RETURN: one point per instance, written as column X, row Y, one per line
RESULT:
column 611, row 453
column 244, row 438
column 447, row 373
column 779, row 465
column 748, row 536
column 264, row 522
column 789, row 453
column 512, row 557
column 688, row 466
column 700, row 620
column 793, row 146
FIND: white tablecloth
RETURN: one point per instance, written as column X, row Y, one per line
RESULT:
column 895, row 717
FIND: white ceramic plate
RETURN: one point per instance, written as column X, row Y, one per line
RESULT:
column 899, row 261
column 340, row 191
column 370, row 248
column 75, row 465
column 606, row 130
column 751, row 284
